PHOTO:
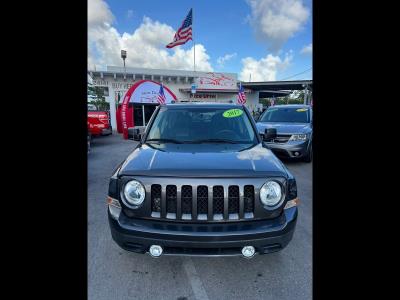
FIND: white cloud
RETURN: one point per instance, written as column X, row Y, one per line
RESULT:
column 275, row 21
column 145, row 46
column 223, row 59
column 264, row 69
column 99, row 13
column 307, row 49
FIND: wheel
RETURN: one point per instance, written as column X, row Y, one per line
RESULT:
column 309, row 156
column 88, row 144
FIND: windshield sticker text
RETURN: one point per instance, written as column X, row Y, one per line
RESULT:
column 232, row 113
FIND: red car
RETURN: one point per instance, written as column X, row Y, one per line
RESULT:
column 99, row 122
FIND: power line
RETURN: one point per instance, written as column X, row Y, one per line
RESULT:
column 304, row 78
column 297, row 74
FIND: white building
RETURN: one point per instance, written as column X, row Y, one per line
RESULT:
column 210, row 86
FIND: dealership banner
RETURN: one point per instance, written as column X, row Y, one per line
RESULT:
column 143, row 91
column 147, row 92
column 216, row 81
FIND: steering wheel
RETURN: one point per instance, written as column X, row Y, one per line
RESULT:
column 229, row 134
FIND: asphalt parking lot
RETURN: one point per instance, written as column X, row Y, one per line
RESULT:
column 117, row 274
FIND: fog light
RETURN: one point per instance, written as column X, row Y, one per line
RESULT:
column 155, row 250
column 296, row 153
column 248, row 251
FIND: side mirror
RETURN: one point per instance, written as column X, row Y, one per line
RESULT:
column 269, row 134
column 137, row 136
column 134, row 134
column 256, row 118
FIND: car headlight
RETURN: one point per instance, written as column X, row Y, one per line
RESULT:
column 134, row 193
column 298, row 137
column 271, row 193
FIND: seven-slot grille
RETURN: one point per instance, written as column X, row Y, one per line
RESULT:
column 202, row 202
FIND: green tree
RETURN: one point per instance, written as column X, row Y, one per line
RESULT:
column 96, row 94
column 296, row 98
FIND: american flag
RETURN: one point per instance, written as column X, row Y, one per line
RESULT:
column 184, row 32
column 241, row 98
column 161, row 96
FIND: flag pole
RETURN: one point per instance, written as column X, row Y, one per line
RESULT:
column 194, row 44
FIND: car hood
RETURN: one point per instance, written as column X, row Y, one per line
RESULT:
column 285, row 128
column 202, row 160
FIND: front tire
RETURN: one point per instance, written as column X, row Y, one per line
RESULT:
column 89, row 138
column 308, row 158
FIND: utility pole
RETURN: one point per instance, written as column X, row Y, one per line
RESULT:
column 123, row 56
column 305, row 94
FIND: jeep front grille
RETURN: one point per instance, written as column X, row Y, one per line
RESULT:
column 279, row 139
column 202, row 202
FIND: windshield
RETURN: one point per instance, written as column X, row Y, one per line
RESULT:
column 286, row 114
column 202, row 125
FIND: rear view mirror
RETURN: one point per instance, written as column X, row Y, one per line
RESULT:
column 270, row 133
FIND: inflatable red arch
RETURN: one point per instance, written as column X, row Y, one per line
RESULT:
column 124, row 113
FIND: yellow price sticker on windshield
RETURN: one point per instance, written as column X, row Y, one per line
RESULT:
column 232, row 113
column 301, row 109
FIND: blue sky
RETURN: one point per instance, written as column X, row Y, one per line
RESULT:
column 222, row 27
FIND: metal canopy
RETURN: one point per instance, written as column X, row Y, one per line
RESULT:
column 271, row 94
column 278, row 85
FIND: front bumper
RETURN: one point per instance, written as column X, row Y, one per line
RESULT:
column 210, row 239
column 106, row 131
column 289, row 149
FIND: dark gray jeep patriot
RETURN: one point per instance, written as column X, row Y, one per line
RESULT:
column 202, row 182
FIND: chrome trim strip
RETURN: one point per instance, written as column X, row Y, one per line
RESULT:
column 210, row 202
column 202, row 217
column 218, row 217
column 241, row 201
column 155, row 214
column 226, row 200
column 178, row 202
column 163, row 201
column 248, row 215
column 194, row 201
column 233, row 216
column 186, row 217
column 171, row 216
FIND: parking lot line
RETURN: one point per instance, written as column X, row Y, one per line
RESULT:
column 194, row 279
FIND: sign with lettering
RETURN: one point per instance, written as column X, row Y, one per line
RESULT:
column 216, row 81
column 147, row 92
column 143, row 91
column 99, row 82
column 203, row 96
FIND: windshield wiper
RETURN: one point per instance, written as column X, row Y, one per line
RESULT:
column 164, row 141
column 221, row 141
